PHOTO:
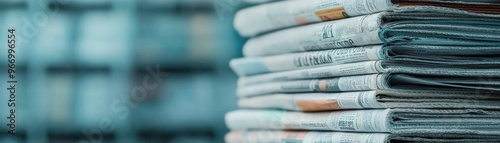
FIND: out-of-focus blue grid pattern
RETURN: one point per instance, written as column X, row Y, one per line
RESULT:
column 90, row 53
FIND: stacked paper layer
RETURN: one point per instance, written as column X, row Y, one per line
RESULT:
column 368, row 71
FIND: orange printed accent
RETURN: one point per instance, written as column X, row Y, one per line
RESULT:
column 301, row 20
column 332, row 14
column 318, row 105
column 294, row 136
column 322, row 85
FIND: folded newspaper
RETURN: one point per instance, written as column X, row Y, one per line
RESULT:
column 278, row 15
column 406, row 25
column 414, row 70
column 257, row 1
column 268, row 136
column 396, row 121
column 464, row 69
column 373, row 100
column 393, row 82
column 422, row 53
column 273, row 136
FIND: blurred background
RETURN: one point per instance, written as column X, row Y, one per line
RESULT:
column 79, row 60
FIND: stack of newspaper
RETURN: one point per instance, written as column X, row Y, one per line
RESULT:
column 368, row 71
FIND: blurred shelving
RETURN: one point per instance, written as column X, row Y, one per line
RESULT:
column 91, row 52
